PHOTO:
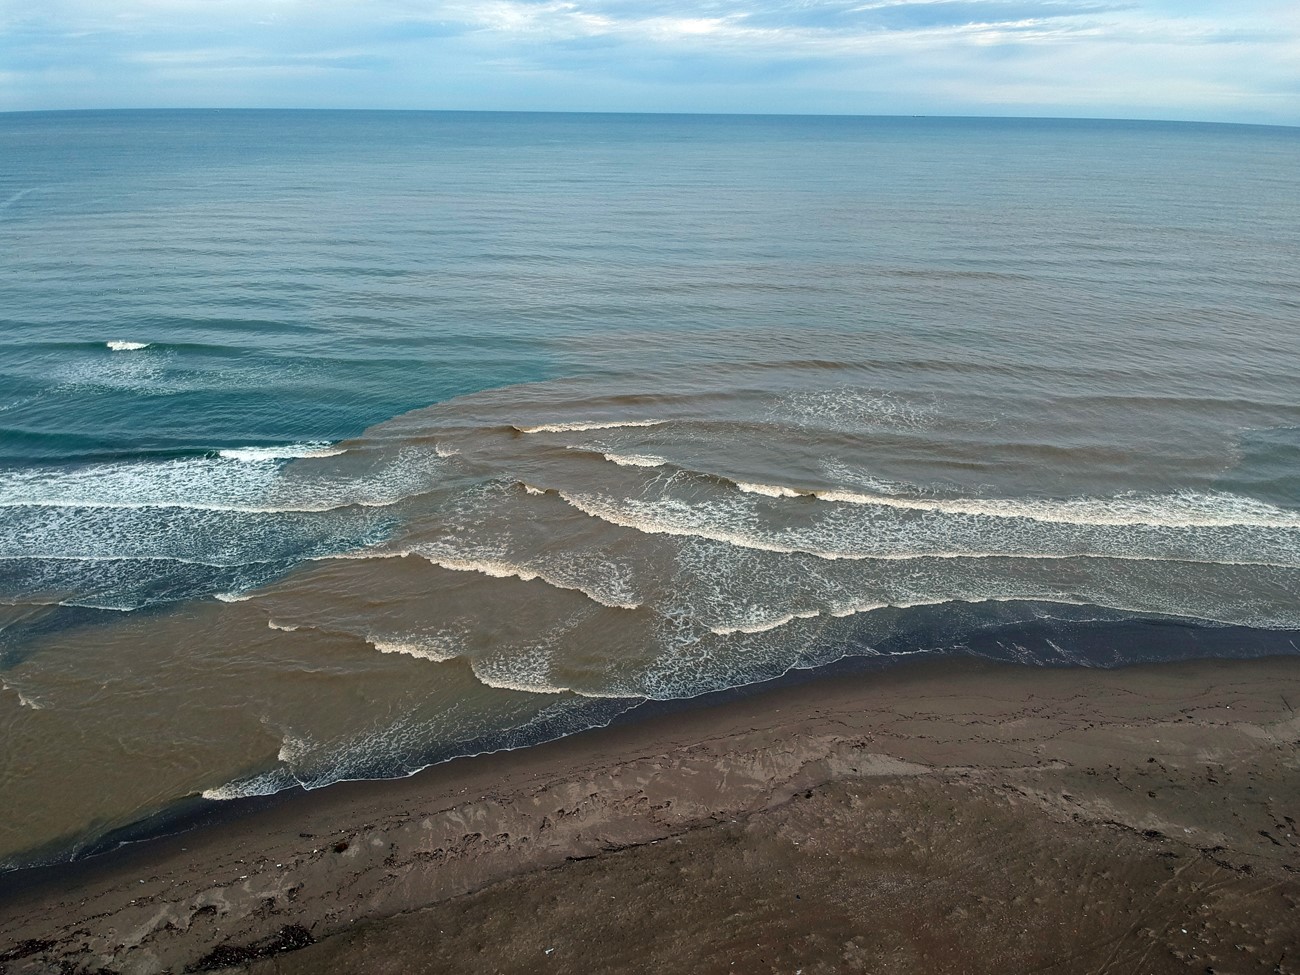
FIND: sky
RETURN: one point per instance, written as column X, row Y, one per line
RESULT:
column 1230, row 60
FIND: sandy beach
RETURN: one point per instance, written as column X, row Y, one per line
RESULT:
column 953, row 816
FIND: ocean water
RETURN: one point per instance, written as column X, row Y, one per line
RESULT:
column 336, row 444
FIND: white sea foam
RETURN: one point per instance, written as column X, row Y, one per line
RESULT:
column 493, row 569
column 264, row 784
column 122, row 346
column 733, row 591
column 588, row 425
column 422, row 649
column 146, row 375
column 339, row 763
column 251, row 484
column 771, row 490
column 526, row 670
column 109, row 558
column 232, row 597
column 1181, row 510
column 13, row 404
column 498, row 568
column 17, row 196
column 866, row 481
column 294, row 747
column 853, row 609
column 1037, row 597
column 98, row 543
column 839, row 534
column 24, row 700
column 282, row 627
column 763, row 625
column 850, row 409
column 636, row 460
column 671, row 517
column 1178, row 510
column 294, row 451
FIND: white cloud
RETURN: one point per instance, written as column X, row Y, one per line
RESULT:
column 1101, row 57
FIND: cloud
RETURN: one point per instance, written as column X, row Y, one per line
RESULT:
column 1099, row 57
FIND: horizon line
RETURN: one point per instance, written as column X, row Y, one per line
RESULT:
column 687, row 114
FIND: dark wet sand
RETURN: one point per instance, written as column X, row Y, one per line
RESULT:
column 947, row 817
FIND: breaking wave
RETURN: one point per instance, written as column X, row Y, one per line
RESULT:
column 584, row 425
column 297, row 451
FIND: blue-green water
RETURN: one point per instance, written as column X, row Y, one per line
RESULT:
column 333, row 443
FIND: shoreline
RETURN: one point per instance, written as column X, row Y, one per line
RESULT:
column 1107, row 644
column 315, row 864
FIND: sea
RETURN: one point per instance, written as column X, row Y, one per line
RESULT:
column 337, row 444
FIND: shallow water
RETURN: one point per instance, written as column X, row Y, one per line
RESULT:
column 332, row 444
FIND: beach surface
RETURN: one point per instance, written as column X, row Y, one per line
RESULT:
column 942, row 817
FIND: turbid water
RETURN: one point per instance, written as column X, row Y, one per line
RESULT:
column 334, row 444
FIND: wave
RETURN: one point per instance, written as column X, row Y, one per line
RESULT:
column 857, row 609
column 197, row 538
column 291, row 452
column 501, row 569
column 413, row 648
column 530, row 671
column 765, row 625
column 636, row 460
column 566, row 716
column 252, row 481
column 676, row 518
column 123, row 346
column 1181, row 510
column 1184, row 509
column 579, row 426
column 849, row 409
column 1046, row 599
column 771, row 490
column 514, row 675
column 247, row 509
column 92, row 559
column 264, row 784
column 14, row 198
column 629, row 459
column 24, row 700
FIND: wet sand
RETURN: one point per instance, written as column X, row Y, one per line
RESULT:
column 944, row 817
